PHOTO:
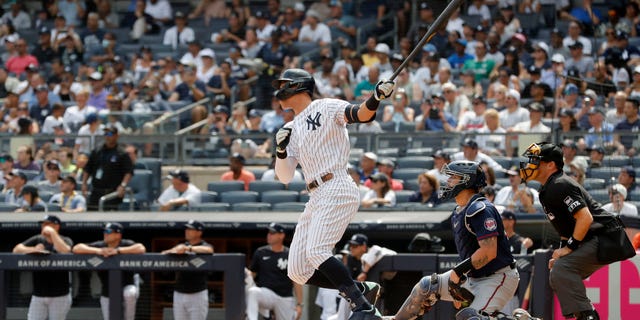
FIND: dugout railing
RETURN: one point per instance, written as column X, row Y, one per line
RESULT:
column 231, row 264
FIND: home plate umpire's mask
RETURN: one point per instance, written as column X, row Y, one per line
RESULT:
column 537, row 152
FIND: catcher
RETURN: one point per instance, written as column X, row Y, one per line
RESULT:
column 487, row 277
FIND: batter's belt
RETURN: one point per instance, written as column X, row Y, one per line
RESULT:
column 318, row 181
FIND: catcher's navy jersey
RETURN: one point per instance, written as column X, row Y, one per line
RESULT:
column 480, row 220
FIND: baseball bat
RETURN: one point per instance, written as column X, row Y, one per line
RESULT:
column 527, row 293
column 440, row 22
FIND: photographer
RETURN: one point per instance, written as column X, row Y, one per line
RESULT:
column 217, row 127
column 617, row 206
column 438, row 119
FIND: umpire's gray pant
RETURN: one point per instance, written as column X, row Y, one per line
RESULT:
column 51, row 308
column 567, row 274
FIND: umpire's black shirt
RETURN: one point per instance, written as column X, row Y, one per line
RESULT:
column 49, row 283
column 562, row 197
column 191, row 281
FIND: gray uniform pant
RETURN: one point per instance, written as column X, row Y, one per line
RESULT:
column 52, row 308
column 567, row 274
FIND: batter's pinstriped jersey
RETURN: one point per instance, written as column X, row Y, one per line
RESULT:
column 319, row 139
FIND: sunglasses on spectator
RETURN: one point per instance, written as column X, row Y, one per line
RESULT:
column 108, row 231
column 53, row 167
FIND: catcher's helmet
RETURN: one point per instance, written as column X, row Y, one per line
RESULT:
column 296, row 81
column 470, row 176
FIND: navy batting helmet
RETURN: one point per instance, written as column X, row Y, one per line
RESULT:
column 470, row 176
column 296, row 81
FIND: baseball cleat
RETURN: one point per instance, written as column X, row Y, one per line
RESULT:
column 371, row 314
column 522, row 314
column 371, row 291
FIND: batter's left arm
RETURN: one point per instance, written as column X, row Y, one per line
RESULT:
column 366, row 111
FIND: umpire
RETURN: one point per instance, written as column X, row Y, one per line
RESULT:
column 110, row 169
column 575, row 216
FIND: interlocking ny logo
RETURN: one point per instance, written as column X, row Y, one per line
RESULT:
column 95, row 261
column 314, row 122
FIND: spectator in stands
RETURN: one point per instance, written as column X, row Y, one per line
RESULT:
column 242, row 9
column 469, row 86
column 25, row 160
column 51, row 298
column 16, row 16
column 180, row 33
column 273, row 290
column 111, row 245
column 387, row 166
column 455, row 102
column 474, row 120
column 217, row 127
column 382, row 52
column 52, row 178
column 191, row 89
column 81, row 162
column 427, row 192
column 480, row 64
column 365, row 88
column 106, row 178
column 92, row 35
column 190, row 295
column 459, row 57
column 570, row 151
column 210, row 9
column 108, row 19
column 31, row 200
column 237, row 172
column 478, row 7
column 617, row 206
column 627, row 178
column 381, row 195
column 69, row 48
column 506, row 79
column 263, row 27
column 86, row 134
column 342, row 26
column 577, row 171
column 73, row 12
column 270, row 174
column 440, row 158
column 513, row 113
column 425, row 17
column 19, row 63
column 470, row 152
column 42, row 108
column 272, row 120
column 106, row 51
column 575, row 34
column 625, row 142
column 6, row 166
column 160, row 10
column 439, row 119
column 587, row 16
column 634, row 87
column 600, row 133
column 596, row 156
column 516, row 196
column 534, row 124
column 276, row 55
column 367, row 168
column 15, row 182
column 65, row 158
column 68, row 199
column 208, row 67
column 399, row 112
column 583, row 63
column 75, row 116
column 140, row 22
column 181, row 195
column 43, row 51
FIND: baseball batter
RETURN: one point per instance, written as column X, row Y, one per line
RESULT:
column 318, row 140
column 487, row 277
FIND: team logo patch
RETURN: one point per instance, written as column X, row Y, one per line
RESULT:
column 313, row 123
column 490, row 224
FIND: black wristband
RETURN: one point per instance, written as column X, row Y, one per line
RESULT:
column 281, row 155
column 372, row 104
column 463, row 267
column 573, row 243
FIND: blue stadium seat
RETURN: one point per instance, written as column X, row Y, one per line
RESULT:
column 234, row 197
column 411, row 185
column 45, row 195
column 7, row 207
column 211, row 207
column 155, row 165
column 251, row 206
column 262, row 186
column 605, row 173
column 303, row 197
column 279, row 196
column 222, row 186
column 403, row 195
column 140, row 183
column 258, row 172
column 408, row 174
column 208, row 196
column 54, row 207
column 297, row 186
column 600, row 195
column 288, row 206
column 616, row 161
column 594, row 183
column 421, row 162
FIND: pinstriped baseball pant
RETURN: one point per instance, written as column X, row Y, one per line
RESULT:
column 330, row 209
column 51, row 308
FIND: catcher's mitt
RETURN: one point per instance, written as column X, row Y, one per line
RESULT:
column 459, row 293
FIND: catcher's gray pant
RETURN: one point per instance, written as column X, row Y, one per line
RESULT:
column 190, row 306
column 264, row 299
column 567, row 274
column 51, row 308
column 491, row 293
column 129, row 298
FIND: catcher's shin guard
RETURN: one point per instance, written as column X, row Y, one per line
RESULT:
column 470, row 314
column 423, row 296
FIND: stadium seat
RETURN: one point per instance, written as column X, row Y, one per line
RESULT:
column 7, row 207
column 288, row 206
column 277, row 196
column 421, row 162
column 403, row 195
column 615, row 161
column 408, row 174
column 155, row 165
column 234, row 197
column 605, row 173
column 211, row 206
column 45, row 195
column 297, row 186
column 303, row 197
column 262, row 186
column 594, row 183
column 30, row 174
column 54, row 207
column 139, row 184
column 411, row 185
column 257, row 172
column 222, row 186
column 208, row 196
column 251, row 206
column 601, row 195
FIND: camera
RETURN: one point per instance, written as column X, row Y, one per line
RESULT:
column 434, row 113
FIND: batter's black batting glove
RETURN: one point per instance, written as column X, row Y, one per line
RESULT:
column 282, row 140
column 384, row 89
column 459, row 293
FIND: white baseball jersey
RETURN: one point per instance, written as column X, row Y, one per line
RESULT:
column 320, row 143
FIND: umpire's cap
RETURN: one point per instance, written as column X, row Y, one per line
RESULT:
column 50, row 218
column 195, row 225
